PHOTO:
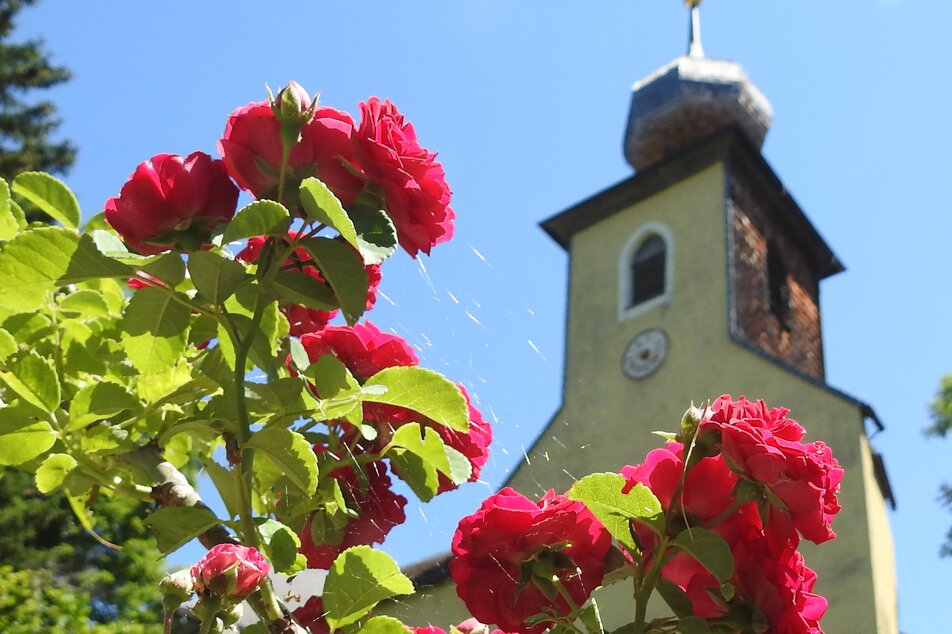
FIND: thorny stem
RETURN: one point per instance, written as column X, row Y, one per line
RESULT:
column 646, row 586
column 243, row 476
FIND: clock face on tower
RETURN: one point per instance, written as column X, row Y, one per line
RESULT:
column 645, row 354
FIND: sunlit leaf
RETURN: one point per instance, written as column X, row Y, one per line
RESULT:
column 34, row 379
column 423, row 391
column 320, row 204
column 50, row 195
column 344, row 270
column 260, row 218
column 39, row 260
column 155, row 330
column 709, row 549
column 174, row 527
column 291, row 453
column 360, row 578
column 55, row 468
column 216, row 278
column 602, row 494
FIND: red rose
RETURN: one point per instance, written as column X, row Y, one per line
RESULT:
column 229, row 570
column 412, row 181
column 311, row 616
column 776, row 581
column 473, row 443
column 251, row 148
column 511, row 539
column 171, row 202
column 379, row 509
column 764, row 446
column 363, row 348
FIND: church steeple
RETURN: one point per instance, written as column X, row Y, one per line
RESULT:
column 688, row 99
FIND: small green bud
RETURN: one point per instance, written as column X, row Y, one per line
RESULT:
column 177, row 587
column 293, row 105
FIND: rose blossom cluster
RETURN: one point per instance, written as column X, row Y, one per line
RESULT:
column 364, row 350
column 268, row 149
column 171, row 202
column 760, row 488
column 747, row 476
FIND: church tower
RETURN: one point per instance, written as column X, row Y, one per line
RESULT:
column 697, row 276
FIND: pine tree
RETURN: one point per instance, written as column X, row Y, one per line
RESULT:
column 55, row 577
column 26, row 127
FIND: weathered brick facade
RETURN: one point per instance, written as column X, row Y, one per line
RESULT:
column 794, row 339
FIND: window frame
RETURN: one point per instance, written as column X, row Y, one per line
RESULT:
column 625, row 261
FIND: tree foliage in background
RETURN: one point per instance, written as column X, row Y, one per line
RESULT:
column 941, row 410
column 26, row 127
column 55, row 576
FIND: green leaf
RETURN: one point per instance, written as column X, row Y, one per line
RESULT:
column 675, row 597
column 281, row 545
column 337, row 387
column 460, row 466
column 418, row 456
column 344, row 270
column 86, row 303
column 287, row 396
column 383, row 625
column 304, row 290
column 320, row 203
column 168, row 267
column 359, row 579
column 601, row 494
column 423, row 391
column 155, row 330
column 50, row 195
column 175, row 526
column 215, row 277
column 376, row 235
column 34, row 380
column 8, row 345
column 290, row 453
column 260, row 218
column 50, row 474
column 39, row 260
column 591, row 617
column 98, row 402
column 709, row 549
column 9, row 226
column 26, row 443
column 105, row 440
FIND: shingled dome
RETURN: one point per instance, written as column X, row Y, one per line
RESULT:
column 687, row 100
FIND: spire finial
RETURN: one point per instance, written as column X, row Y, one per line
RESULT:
column 694, row 34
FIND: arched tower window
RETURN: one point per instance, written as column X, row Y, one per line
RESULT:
column 645, row 270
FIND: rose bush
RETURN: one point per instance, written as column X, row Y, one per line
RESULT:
column 123, row 368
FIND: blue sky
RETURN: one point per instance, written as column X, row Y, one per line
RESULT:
column 526, row 102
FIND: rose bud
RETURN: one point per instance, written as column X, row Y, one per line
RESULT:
column 229, row 570
column 293, row 105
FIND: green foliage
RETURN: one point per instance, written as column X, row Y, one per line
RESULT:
column 941, row 410
column 59, row 579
